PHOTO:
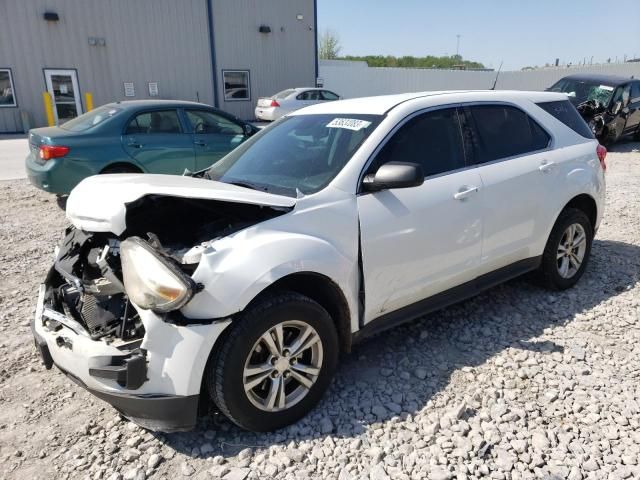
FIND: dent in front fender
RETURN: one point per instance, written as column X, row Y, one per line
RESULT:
column 177, row 355
column 239, row 269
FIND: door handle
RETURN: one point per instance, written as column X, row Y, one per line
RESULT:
column 134, row 144
column 462, row 194
column 200, row 142
column 546, row 166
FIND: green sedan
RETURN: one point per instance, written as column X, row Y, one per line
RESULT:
column 154, row 136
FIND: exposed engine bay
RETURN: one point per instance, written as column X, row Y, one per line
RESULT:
column 594, row 113
column 86, row 281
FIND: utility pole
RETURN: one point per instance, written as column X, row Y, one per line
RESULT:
column 458, row 45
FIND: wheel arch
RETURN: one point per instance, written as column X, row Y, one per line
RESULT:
column 129, row 165
column 587, row 204
column 322, row 290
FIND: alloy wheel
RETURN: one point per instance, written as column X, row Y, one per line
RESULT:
column 571, row 250
column 282, row 366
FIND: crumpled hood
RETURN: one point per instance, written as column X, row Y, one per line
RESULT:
column 98, row 203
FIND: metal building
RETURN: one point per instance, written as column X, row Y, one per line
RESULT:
column 226, row 53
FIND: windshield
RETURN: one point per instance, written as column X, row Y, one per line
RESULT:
column 299, row 153
column 91, row 119
column 579, row 91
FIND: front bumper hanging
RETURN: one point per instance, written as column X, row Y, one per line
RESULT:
column 65, row 343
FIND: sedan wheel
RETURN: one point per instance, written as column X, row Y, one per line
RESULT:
column 282, row 366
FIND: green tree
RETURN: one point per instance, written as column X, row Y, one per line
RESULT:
column 329, row 45
column 407, row 61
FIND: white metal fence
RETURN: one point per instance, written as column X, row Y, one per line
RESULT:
column 356, row 79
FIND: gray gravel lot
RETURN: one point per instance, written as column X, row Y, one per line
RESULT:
column 517, row 383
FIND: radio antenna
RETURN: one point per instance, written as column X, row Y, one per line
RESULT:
column 495, row 82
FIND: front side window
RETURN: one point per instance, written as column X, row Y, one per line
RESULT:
column 502, row 131
column 622, row 95
column 236, row 85
column 7, row 93
column 159, row 121
column 91, row 119
column 327, row 95
column 635, row 92
column 298, row 154
column 431, row 139
column 203, row 121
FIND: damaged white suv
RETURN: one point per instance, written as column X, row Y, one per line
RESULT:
column 243, row 283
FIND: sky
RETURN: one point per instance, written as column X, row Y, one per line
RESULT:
column 519, row 33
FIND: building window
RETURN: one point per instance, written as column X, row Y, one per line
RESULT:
column 7, row 92
column 236, row 85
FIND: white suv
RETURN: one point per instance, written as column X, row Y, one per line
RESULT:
column 244, row 285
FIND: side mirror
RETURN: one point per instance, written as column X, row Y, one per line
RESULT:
column 394, row 175
column 616, row 107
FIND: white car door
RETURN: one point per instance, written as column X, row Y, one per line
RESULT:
column 517, row 168
column 420, row 241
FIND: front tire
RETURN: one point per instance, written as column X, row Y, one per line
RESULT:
column 567, row 251
column 275, row 364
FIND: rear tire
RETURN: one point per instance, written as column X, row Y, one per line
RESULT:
column 567, row 251
column 275, row 363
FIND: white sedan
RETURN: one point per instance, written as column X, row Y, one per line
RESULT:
column 287, row 101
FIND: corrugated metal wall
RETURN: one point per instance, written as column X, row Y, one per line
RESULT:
column 356, row 79
column 281, row 59
column 164, row 41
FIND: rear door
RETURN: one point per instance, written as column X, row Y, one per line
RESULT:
column 214, row 135
column 158, row 142
column 517, row 169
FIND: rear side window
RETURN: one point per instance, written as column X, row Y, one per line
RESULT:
column 564, row 111
column 160, row 121
column 309, row 95
column 503, row 131
column 431, row 139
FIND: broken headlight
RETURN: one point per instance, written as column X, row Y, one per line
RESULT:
column 152, row 282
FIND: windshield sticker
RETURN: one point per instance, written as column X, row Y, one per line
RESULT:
column 348, row 123
column 606, row 87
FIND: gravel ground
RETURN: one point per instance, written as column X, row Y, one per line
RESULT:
column 517, row 383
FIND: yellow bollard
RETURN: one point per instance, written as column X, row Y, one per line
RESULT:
column 88, row 101
column 48, row 108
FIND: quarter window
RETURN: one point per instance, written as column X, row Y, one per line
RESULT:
column 204, row 122
column 7, row 93
column 501, row 131
column 236, row 85
column 564, row 111
column 431, row 139
column 159, row 121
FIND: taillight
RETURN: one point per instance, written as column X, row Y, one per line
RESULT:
column 47, row 152
column 274, row 103
column 601, row 151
